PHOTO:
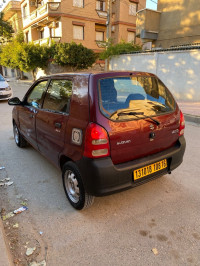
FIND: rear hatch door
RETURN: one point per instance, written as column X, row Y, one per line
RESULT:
column 142, row 116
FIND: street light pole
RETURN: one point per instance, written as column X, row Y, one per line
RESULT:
column 108, row 28
column 108, row 22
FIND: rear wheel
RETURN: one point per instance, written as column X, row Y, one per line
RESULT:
column 74, row 189
column 19, row 139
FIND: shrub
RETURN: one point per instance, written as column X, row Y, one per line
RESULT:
column 74, row 55
column 119, row 48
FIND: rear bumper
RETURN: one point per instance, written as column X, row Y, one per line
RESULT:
column 102, row 177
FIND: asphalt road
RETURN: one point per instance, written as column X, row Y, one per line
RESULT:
column 120, row 229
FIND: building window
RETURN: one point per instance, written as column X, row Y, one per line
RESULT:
column 100, row 5
column 132, row 9
column 78, row 3
column 25, row 11
column 42, row 34
column 131, row 37
column 27, row 36
column 78, row 32
column 100, row 36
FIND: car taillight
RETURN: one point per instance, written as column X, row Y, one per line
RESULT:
column 96, row 142
column 182, row 124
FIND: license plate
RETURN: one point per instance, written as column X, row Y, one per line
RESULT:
column 149, row 169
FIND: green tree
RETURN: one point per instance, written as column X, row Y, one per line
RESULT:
column 119, row 48
column 74, row 55
column 19, row 37
column 6, row 29
column 31, row 56
column 8, row 55
column 24, row 56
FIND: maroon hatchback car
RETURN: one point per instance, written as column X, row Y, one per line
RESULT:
column 106, row 131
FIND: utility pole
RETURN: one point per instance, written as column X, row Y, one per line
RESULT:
column 108, row 28
column 109, row 20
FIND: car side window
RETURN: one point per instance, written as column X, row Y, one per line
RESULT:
column 58, row 96
column 36, row 95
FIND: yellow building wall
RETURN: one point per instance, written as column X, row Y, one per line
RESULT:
column 123, row 21
column 87, row 16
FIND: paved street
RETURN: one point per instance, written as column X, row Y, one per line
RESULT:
column 120, row 229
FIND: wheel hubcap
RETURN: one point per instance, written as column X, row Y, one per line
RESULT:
column 16, row 134
column 71, row 184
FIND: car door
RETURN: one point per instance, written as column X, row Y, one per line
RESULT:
column 28, row 112
column 52, row 119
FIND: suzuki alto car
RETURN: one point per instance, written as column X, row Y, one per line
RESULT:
column 107, row 132
column 5, row 90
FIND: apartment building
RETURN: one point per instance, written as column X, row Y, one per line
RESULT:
column 81, row 21
column 12, row 14
column 175, row 23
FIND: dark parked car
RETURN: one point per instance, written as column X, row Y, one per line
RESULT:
column 106, row 131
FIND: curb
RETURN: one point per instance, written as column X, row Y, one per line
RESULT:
column 5, row 254
column 192, row 118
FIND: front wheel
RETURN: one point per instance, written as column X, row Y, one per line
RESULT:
column 19, row 139
column 74, row 189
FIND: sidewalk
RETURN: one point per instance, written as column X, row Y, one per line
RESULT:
column 5, row 256
column 191, row 111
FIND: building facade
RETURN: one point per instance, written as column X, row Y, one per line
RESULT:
column 81, row 21
column 175, row 23
column 12, row 14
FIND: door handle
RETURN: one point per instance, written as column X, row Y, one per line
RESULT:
column 58, row 125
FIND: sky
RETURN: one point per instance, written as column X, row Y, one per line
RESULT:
column 151, row 4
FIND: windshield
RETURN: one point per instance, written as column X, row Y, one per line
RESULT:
column 125, row 98
column 1, row 78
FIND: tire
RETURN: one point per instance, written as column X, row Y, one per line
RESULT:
column 74, row 188
column 19, row 139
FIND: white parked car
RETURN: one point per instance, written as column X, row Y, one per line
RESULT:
column 5, row 90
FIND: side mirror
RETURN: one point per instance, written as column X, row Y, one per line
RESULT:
column 7, row 80
column 14, row 101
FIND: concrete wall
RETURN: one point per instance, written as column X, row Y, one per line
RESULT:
column 180, row 22
column 179, row 70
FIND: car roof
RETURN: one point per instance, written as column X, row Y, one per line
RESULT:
column 94, row 73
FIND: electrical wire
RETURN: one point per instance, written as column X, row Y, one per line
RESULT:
column 154, row 2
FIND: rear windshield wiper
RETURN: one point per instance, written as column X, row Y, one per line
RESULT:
column 139, row 113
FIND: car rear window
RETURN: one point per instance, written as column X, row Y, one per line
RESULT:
column 125, row 98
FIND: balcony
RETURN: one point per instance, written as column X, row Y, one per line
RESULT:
column 11, row 8
column 147, row 24
column 47, row 41
column 43, row 15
